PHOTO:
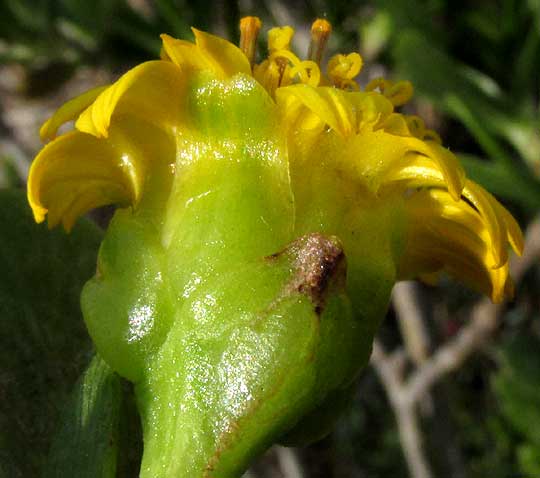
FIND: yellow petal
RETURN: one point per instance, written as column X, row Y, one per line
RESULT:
column 186, row 55
column 210, row 52
column 413, row 171
column 372, row 109
column 496, row 227
column 454, row 236
column 68, row 111
column 76, row 197
column 459, row 263
column 329, row 104
column 417, row 171
column 514, row 234
column 446, row 161
column 377, row 155
column 226, row 56
column 396, row 124
column 78, row 172
column 153, row 91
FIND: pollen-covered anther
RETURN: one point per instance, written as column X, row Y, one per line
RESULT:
column 249, row 32
column 320, row 32
column 279, row 38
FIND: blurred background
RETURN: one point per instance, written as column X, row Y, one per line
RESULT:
column 453, row 389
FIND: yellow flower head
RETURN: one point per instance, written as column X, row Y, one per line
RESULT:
column 349, row 154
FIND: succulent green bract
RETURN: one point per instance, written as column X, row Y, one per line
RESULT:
column 231, row 328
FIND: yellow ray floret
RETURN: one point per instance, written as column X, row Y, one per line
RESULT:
column 328, row 104
column 68, row 112
column 378, row 139
column 78, row 172
column 454, row 236
column 153, row 90
column 66, row 188
column 418, row 172
column 208, row 53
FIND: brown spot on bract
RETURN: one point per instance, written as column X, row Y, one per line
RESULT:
column 317, row 261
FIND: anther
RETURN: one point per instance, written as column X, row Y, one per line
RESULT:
column 249, row 31
column 279, row 38
column 320, row 32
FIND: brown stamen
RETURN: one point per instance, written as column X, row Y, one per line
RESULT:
column 249, row 31
column 320, row 31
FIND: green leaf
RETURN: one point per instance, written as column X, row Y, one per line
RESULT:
column 404, row 14
column 87, row 443
column 494, row 117
column 517, row 386
column 466, row 94
column 375, row 34
column 44, row 342
column 529, row 459
column 9, row 176
column 100, row 432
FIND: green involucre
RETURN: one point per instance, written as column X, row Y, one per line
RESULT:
column 231, row 314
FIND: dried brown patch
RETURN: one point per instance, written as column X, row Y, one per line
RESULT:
column 318, row 261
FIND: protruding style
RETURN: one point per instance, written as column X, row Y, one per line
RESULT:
column 320, row 32
column 249, row 33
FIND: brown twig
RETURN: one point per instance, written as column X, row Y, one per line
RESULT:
column 410, row 319
column 404, row 393
column 390, row 370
